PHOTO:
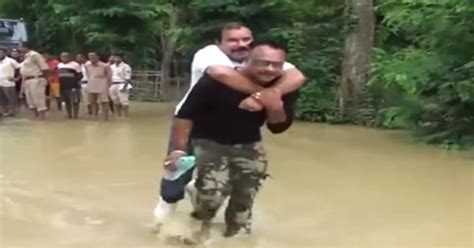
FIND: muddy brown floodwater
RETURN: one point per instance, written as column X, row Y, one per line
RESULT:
column 94, row 184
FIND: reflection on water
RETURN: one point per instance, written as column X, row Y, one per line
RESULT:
column 94, row 184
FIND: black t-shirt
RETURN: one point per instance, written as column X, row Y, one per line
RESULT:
column 69, row 75
column 214, row 110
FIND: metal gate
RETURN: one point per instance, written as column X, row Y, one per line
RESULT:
column 148, row 86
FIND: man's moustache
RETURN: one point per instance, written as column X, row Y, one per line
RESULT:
column 240, row 49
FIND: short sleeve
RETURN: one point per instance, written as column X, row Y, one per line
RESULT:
column 192, row 105
column 208, row 56
column 288, row 66
column 128, row 72
column 41, row 61
column 15, row 64
column 84, row 72
column 77, row 67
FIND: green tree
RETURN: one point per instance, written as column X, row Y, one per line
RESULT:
column 425, row 57
column 408, row 65
column 357, row 57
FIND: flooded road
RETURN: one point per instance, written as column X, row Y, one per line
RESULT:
column 94, row 184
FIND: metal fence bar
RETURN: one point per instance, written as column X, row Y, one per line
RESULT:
column 148, row 86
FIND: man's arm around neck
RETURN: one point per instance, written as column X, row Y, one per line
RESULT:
column 291, row 80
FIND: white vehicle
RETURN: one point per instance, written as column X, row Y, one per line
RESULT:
column 12, row 32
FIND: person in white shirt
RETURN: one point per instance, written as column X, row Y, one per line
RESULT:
column 220, row 62
column 82, row 60
column 120, row 89
column 8, row 96
column 110, row 61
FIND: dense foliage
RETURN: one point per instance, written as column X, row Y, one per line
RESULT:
column 422, row 67
column 425, row 62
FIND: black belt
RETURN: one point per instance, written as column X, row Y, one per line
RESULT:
column 118, row 82
column 31, row 77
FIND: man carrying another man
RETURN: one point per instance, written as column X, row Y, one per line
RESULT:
column 227, row 139
column 219, row 61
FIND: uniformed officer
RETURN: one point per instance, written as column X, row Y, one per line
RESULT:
column 34, row 71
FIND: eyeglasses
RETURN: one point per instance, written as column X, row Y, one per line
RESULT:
column 266, row 63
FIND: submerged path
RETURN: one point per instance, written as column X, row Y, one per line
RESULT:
column 94, row 184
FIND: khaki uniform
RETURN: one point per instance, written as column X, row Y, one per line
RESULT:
column 35, row 88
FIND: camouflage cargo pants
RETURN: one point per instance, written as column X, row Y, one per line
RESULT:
column 228, row 170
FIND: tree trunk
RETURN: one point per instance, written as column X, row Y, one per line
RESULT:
column 168, row 46
column 357, row 57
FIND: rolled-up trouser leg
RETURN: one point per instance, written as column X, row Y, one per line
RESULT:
column 172, row 191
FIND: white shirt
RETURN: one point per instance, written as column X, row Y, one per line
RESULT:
column 7, row 70
column 71, row 65
column 208, row 56
column 121, row 72
column 83, row 71
column 213, row 55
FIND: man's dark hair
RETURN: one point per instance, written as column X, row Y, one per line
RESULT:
column 25, row 44
column 118, row 54
column 271, row 44
column 231, row 26
column 4, row 50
